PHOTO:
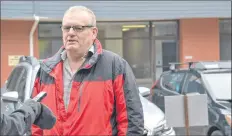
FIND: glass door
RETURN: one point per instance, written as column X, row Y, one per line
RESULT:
column 165, row 52
column 164, row 46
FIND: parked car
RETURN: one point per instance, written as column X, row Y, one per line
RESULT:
column 154, row 118
column 19, row 85
column 211, row 78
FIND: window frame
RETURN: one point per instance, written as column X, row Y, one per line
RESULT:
column 223, row 35
column 187, row 81
column 19, row 80
column 181, row 83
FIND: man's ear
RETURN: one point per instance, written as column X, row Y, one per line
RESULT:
column 95, row 32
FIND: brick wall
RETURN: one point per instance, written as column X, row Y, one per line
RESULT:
column 15, row 41
column 199, row 38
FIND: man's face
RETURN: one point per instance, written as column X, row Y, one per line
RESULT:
column 78, row 32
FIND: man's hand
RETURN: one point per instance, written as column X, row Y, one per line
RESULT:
column 45, row 119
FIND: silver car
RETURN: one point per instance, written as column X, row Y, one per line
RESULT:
column 20, row 84
column 154, row 118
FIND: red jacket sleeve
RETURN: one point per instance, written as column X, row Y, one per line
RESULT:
column 129, row 111
column 35, row 130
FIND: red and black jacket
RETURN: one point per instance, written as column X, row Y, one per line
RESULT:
column 104, row 98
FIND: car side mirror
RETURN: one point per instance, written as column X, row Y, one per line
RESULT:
column 10, row 96
column 144, row 91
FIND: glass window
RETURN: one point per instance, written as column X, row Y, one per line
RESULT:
column 225, row 39
column 219, row 84
column 194, row 85
column 128, row 39
column 172, row 81
column 129, row 49
column 136, row 31
column 50, row 39
column 17, row 81
column 164, row 28
column 50, row 30
column 123, row 29
column 136, row 52
column 114, row 45
column 49, row 46
column 225, row 26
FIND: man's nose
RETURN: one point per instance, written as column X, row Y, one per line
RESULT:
column 71, row 31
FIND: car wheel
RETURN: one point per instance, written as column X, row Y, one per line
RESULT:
column 217, row 133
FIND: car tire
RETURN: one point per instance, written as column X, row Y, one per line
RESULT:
column 217, row 133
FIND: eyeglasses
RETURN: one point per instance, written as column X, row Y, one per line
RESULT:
column 75, row 28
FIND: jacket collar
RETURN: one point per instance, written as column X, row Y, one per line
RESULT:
column 49, row 64
column 87, row 55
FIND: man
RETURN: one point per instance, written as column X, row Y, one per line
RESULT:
column 90, row 90
column 21, row 120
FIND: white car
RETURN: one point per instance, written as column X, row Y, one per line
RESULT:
column 19, row 85
column 154, row 118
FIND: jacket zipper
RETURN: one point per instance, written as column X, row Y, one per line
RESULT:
column 80, row 93
column 79, row 99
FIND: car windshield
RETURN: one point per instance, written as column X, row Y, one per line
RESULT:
column 220, row 84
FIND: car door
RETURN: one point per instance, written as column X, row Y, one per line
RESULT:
column 194, row 84
column 170, row 84
column 21, row 80
column 15, row 82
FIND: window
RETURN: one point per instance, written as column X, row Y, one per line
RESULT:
column 172, row 81
column 165, row 53
column 50, row 30
column 112, row 30
column 219, row 81
column 17, row 81
column 129, row 40
column 225, row 39
column 136, row 52
column 164, row 28
column 147, row 46
column 114, row 45
column 50, row 39
column 164, row 46
column 193, row 85
column 49, row 46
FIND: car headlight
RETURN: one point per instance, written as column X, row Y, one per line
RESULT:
column 148, row 131
column 228, row 119
column 162, row 128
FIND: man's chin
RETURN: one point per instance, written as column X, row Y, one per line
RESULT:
column 71, row 47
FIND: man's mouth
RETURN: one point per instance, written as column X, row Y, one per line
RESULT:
column 71, row 40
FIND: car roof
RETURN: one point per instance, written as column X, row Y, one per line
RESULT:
column 201, row 66
column 208, row 65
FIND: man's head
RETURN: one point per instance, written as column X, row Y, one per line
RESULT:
column 79, row 29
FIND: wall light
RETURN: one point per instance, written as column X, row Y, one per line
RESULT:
column 134, row 26
column 125, row 29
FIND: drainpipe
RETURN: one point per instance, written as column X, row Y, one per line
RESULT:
column 37, row 19
column 31, row 35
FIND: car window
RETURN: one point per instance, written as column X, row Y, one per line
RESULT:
column 220, row 84
column 17, row 81
column 172, row 81
column 193, row 85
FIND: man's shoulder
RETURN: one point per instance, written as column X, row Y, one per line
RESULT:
column 113, row 60
column 112, row 56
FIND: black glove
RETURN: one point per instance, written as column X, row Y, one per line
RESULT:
column 44, row 118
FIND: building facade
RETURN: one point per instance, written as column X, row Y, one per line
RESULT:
column 149, row 35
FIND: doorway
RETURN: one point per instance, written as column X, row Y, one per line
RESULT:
column 164, row 52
